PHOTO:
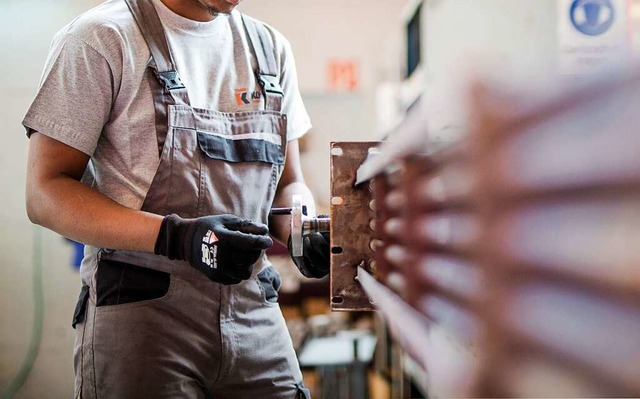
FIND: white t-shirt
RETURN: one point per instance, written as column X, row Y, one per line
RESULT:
column 95, row 96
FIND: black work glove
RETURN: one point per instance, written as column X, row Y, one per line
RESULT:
column 222, row 247
column 315, row 259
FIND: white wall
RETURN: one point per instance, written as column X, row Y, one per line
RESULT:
column 514, row 42
column 364, row 30
column 26, row 29
column 506, row 39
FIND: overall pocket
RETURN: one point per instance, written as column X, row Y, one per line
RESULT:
column 239, row 172
column 81, row 306
column 269, row 281
column 252, row 147
column 120, row 283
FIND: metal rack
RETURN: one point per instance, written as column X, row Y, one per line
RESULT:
column 508, row 264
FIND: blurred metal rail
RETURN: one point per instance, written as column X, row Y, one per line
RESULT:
column 507, row 263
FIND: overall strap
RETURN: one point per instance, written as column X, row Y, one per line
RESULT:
column 267, row 73
column 167, row 88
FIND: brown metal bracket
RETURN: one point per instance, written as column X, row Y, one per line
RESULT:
column 352, row 235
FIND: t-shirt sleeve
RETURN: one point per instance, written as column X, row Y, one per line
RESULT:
column 75, row 96
column 298, row 121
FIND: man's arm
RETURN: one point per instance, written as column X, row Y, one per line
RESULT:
column 291, row 182
column 56, row 199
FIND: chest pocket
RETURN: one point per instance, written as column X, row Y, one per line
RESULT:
column 257, row 147
column 242, row 157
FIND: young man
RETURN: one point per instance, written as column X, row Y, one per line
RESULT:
column 162, row 134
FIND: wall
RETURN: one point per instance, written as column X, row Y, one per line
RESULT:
column 512, row 42
column 506, row 39
column 26, row 33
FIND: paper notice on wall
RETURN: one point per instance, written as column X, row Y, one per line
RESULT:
column 592, row 36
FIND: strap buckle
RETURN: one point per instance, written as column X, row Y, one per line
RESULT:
column 170, row 80
column 270, row 84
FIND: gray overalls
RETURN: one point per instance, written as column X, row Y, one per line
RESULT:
column 149, row 327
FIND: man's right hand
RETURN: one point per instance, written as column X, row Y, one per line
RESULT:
column 223, row 247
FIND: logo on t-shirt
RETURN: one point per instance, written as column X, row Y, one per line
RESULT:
column 243, row 97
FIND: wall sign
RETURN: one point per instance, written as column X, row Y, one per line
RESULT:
column 342, row 75
column 592, row 35
column 592, row 17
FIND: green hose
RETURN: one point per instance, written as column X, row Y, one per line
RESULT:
column 36, row 333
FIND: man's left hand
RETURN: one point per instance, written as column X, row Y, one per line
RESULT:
column 314, row 262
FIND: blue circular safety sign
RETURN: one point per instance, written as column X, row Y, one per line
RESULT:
column 592, row 17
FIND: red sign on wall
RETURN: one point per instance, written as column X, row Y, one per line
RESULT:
column 343, row 75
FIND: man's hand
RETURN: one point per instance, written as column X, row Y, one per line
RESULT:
column 315, row 259
column 222, row 247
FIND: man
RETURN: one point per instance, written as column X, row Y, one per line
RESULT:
column 181, row 118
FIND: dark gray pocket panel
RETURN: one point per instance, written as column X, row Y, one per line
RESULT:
column 245, row 150
column 270, row 281
column 81, row 306
column 118, row 283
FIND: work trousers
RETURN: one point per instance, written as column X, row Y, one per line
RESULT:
column 143, row 333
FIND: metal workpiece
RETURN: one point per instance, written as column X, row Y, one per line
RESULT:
column 395, row 201
column 296, row 225
column 449, row 187
column 398, row 255
column 315, row 225
column 280, row 211
column 301, row 224
column 460, row 280
column 390, row 204
column 409, row 138
column 407, row 325
column 352, row 240
column 395, row 226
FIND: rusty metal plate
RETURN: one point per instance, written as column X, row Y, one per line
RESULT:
column 351, row 226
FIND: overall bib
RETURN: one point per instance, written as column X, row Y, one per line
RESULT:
column 149, row 327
